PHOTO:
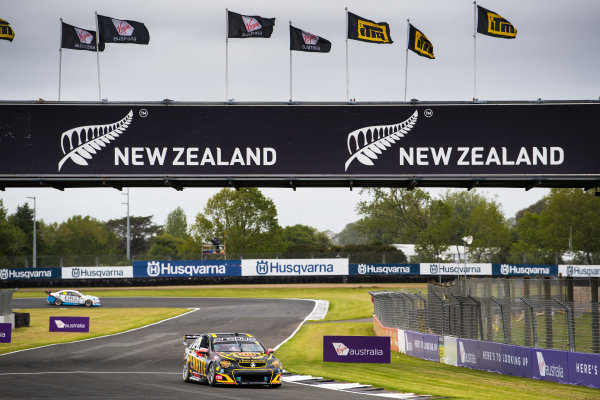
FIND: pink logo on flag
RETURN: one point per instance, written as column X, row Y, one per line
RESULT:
column 123, row 27
column 251, row 24
column 309, row 38
column 84, row 36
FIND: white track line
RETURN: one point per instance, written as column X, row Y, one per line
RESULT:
column 318, row 312
column 100, row 337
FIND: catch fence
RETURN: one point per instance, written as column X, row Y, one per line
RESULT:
column 550, row 313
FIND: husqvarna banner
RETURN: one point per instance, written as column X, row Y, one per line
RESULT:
column 29, row 273
column 295, row 267
column 174, row 144
column 97, row 272
column 456, row 269
column 186, row 268
column 579, row 271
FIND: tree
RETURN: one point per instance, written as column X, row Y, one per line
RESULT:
column 244, row 220
column 165, row 244
column 353, row 233
column 23, row 220
column 82, row 236
column 300, row 239
column 176, row 224
column 141, row 229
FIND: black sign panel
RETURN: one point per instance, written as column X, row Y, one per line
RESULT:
column 309, row 144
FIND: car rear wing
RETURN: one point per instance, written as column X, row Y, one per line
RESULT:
column 189, row 338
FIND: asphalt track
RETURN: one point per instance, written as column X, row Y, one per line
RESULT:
column 146, row 363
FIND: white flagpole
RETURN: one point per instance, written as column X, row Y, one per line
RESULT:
column 406, row 64
column 60, row 59
column 474, row 51
column 347, row 73
column 290, row 63
column 98, row 56
column 226, row 54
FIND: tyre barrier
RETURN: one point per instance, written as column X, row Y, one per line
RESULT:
column 22, row 320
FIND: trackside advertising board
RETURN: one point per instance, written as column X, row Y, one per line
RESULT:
column 524, row 270
column 29, row 273
column 295, row 267
column 69, row 324
column 183, row 269
column 356, row 349
column 579, row 271
column 5, row 333
column 384, row 269
column 456, row 269
column 97, row 272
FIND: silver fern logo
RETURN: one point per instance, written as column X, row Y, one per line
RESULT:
column 84, row 142
column 366, row 144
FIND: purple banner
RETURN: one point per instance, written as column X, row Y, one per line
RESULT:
column 359, row 349
column 422, row 345
column 5, row 333
column 69, row 324
column 551, row 365
column 584, row 369
column 495, row 357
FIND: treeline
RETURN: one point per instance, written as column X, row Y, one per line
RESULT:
column 564, row 224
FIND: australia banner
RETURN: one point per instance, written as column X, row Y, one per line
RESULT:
column 247, row 26
column 76, row 38
column 174, row 145
column 114, row 30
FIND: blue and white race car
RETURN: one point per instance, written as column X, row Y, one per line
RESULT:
column 69, row 297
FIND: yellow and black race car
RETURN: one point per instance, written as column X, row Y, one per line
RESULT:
column 229, row 359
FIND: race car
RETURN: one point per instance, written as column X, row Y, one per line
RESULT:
column 229, row 359
column 72, row 298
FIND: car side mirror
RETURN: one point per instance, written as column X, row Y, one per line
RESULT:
column 270, row 351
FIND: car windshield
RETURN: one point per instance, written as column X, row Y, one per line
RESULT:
column 250, row 347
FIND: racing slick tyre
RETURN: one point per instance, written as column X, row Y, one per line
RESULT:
column 186, row 371
column 58, row 302
column 210, row 378
column 88, row 303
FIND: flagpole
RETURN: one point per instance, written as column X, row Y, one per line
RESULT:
column 347, row 73
column 290, row 65
column 98, row 56
column 60, row 59
column 226, row 54
column 474, row 51
column 406, row 64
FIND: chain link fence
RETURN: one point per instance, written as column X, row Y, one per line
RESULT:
column 551, row 313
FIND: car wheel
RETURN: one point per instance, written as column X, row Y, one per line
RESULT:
column 186, row 371
column 58, row 302
column 88, row 303
column 211, row 375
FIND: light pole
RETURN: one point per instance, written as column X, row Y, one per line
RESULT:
column 128, row 236
column 34, row 232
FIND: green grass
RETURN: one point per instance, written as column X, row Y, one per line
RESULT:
column 345, row 301
column 103, row 321
column 303, row 354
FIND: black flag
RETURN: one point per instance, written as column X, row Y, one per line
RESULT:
column 493, row 24
column 304, row 41
column 419, row 43
column 362, row 29
column 78, row 39
column 114, row 30
column 246, row 26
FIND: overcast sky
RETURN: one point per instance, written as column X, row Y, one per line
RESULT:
column 555, row 57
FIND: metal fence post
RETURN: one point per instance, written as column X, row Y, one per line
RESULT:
column 533, row 323
column 570, row 324
column 506, row 338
